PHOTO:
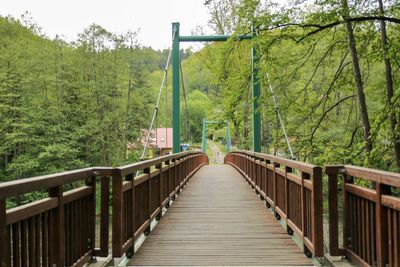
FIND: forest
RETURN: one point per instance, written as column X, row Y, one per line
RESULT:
column 334, row 67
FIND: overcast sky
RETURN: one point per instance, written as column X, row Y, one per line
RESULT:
column 153, row 17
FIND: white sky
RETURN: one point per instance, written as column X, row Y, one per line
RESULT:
column 154, row 17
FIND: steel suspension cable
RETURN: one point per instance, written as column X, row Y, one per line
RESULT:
column 278, row 114
column 166, row 111
column 184, row 97
column 157, row 104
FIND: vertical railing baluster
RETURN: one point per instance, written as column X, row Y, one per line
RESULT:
column 263, row 178
column 304, row 176
column 187, row 162
column 92, row 213
column 275, row 186
column 5, row 257
column 104, row 216
column 346, row 212
column 174, row 177
column 333, row 215
column 381, row 226
column 317, row 211
column 148, row 215
column 117, row 217
column 57, row 229
column 160, row 181
column 130, row 251
column 180, row 169
column 267, row 189
column 287, row 199
column 168, row 193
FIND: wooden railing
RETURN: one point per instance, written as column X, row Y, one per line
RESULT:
column 60, row 229
column 136, row 202
column 293, row 189
column 371, row 222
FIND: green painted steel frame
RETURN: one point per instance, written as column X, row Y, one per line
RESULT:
column 228, row 134
column 176, row 82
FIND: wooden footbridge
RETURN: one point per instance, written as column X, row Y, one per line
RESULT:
column 256, row 209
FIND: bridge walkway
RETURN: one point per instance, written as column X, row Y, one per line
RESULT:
column 218, row 220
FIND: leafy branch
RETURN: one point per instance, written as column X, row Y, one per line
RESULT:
column 326, row 113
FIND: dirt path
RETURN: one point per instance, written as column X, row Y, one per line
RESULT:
column 214, row 153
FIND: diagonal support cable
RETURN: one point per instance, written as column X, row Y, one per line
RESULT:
column 157, row 104
column 184, row 97
column 279, row 117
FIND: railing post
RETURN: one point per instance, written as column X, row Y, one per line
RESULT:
column 332, row 173
column 183, row 170
column 263, row 177
column 346, row 211
column 267, row 189
column 92, row 213
column 275, row 184
column 148, row 229
column 160, row 200
column 130, row 251
column 304, row 176
column 244, row 159
column 57, row 234
column 381, row 226
column 190, row 164
column 317, row 211
column 174, row 177
column 5, row 256
column 253, row 169
column 187, row 166
column 179, row 175
column 333, row 215
column 167, row 177
column 117, row 214
column 104, row 216
column 248, row 166
column 287, row 200
column 257, row 174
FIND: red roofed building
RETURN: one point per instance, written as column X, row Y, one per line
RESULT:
column 160, row 142
column 162, row 139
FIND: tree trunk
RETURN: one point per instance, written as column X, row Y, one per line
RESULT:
column 389, row 87
column 357, row 77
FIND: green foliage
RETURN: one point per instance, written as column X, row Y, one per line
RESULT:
column 199, row 107
column 67, row 106
column 70, row 105
column 311, row 71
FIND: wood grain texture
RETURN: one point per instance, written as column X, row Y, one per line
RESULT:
column 218, row 220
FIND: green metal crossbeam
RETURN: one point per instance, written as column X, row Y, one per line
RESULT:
column 212, row 38
column 204, row 140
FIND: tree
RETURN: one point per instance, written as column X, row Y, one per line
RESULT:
column 389, row 88
column 357, row 77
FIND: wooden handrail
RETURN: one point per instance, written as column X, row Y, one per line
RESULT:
column 371, row 216
column 137, row 201
column 59, row 230
column 295, row 197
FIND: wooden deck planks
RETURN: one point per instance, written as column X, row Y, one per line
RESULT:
column 218, row 220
